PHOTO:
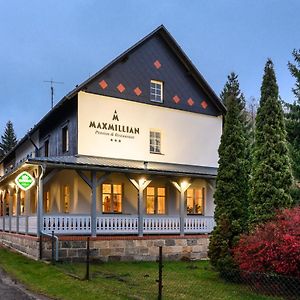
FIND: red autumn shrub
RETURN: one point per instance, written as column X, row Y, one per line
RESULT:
column 273, row 247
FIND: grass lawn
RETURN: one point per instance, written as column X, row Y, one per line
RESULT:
column 182, row 280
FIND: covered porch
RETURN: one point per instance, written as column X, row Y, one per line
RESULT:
column 93, row 196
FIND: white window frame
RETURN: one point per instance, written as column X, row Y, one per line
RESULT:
column 156, row 91
column 155, row 141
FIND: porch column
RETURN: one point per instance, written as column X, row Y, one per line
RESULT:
column 18, row 208
column 4, row 208
column 93, row 183
column 140, row 186
column 2, row 212
column 10, row 207
column 40, row 188
column 182, row 187
column 27, row 209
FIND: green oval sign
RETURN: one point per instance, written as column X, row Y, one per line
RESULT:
column 24, row 181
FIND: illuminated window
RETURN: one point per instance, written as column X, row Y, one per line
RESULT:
column 47, row 202
column 22, row 202
column 112, row 196
column 155, row 200
column 66, row 199
column 195, row 201
column 155, row 142
column 65, row 139
column 156, row 91
column 46, row 153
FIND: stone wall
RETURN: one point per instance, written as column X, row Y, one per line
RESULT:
column 26, row 244
column 132, row 248
column 122, row 248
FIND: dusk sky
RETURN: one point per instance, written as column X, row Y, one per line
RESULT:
column 70, row 40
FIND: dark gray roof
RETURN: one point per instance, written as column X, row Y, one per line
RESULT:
column 122, row 165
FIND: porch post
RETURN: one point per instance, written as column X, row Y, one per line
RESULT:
column 182, row 187
column 10, row 208
column 40, row 187
column 94, row 203
column 18, row 207
column 140, row 186
column 2, row 212
column 93, row 184
column 4, row 209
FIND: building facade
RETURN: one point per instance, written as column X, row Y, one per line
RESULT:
column 129, row 156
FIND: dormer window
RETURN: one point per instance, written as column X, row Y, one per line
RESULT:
column 156, row 91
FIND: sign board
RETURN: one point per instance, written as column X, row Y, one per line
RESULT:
column 24, row 181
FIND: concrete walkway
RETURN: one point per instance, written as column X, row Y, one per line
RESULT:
column 11, row 290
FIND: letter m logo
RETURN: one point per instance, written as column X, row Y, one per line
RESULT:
column 115, row 116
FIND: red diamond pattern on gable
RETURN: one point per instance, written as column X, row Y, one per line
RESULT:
column 121, row 88
column 157, row 64
column 190, row 102
column 176, row 99
column 103, row 84
column 204, row 104
column 137, row 91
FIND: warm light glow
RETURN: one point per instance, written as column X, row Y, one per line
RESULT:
column 11, row 184
column 184, row 184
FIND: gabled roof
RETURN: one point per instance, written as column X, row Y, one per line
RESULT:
column 163, row 32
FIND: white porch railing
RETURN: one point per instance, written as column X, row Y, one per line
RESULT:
column 110, row 224
column 161, row 224
column 67, row 224
column 195, row 224
column 117, row 225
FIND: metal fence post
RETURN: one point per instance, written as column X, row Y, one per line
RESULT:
column 159, row 281
column 87, row 275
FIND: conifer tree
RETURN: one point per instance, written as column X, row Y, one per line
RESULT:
column 271, row 176
column 293, row 126
column 231, row 184
column 8, row 139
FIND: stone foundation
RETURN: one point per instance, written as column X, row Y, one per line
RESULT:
column 117, row 248
column 26, row 244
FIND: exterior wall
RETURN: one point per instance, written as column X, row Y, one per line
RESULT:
column 27, row 149
column 80, row 198
column 187, row 138
column 52, row 130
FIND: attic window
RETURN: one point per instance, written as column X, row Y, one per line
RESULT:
column 156, row 91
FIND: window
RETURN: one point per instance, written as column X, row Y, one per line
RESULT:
column 156, row 91
column 46, row 153
column 155, row 142
column 47, row 202
column 195, row 201
column 65, row 139
column 156, row 200
column 112, row 196
column 66, row 197
column 22, row 202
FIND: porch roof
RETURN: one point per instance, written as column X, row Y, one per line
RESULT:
column 122, row 165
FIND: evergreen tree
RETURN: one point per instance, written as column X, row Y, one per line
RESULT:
column 271, row 176
column 231, row 184
column 8, row 139
column 293, row 126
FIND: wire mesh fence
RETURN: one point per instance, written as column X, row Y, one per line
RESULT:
column 268, row 284
column 180, row 280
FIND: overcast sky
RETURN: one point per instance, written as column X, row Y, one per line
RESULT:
column 69, row 40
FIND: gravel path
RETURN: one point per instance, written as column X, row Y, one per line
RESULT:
column 11, row 290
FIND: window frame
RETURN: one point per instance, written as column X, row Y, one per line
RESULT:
column 154, row 95
column 152, row 141
column 112, row 197
column 156, row 196
column 46, row 148
column 193, row 210
column 65, row 134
